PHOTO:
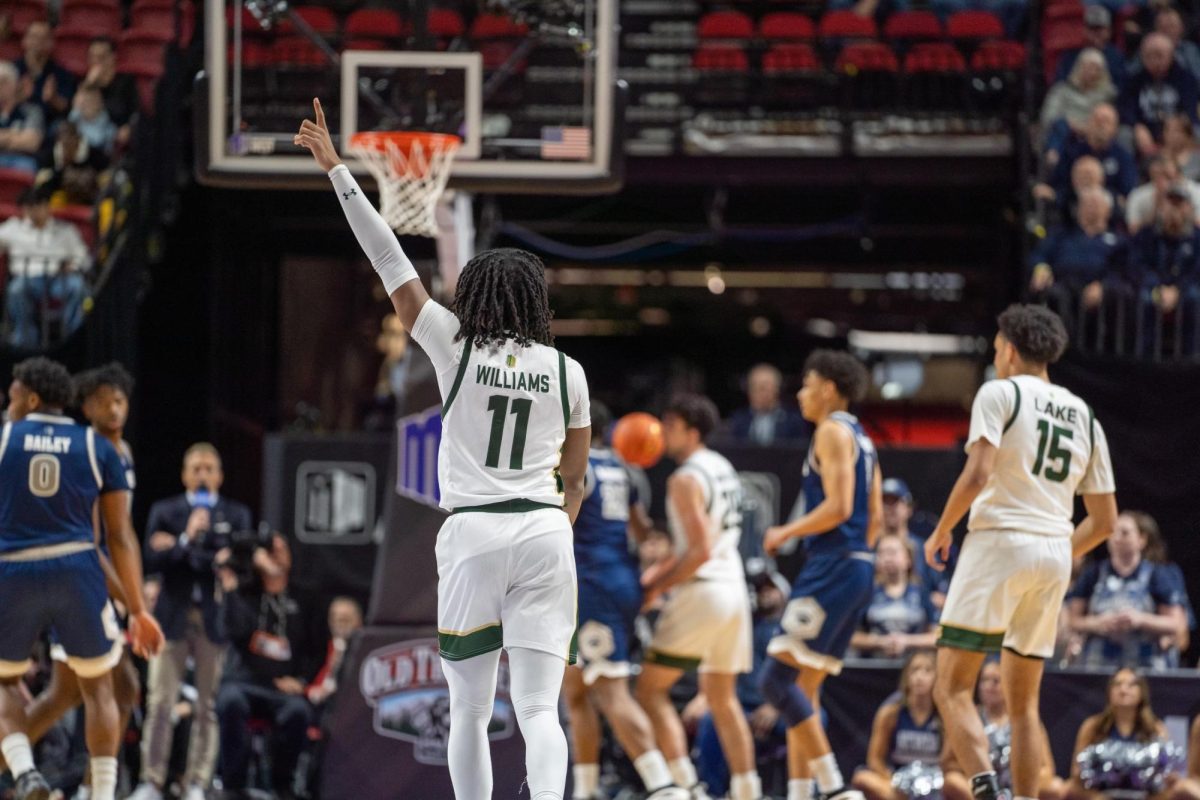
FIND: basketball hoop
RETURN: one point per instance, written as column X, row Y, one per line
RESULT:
column 411, row 170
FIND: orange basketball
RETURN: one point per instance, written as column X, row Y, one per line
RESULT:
column 638, row 438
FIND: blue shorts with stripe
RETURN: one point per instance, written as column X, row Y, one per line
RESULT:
column 67, row 593
column 829, row 598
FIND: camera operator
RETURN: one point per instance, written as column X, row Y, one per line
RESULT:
column 187, row 532
column 271, row 659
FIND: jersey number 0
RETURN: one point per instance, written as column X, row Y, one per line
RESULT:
column 44, row 472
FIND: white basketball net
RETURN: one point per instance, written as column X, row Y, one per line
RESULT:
column 410, row 183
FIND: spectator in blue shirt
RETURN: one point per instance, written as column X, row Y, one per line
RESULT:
column 1097, row 33
column 1164, row 264
column 900, row 617
column 1169, row 22
column 766, row 420
column 1126, row 605
column 1159, row 90
column 1099, row 140
column 901, row 518
column 1077, row 259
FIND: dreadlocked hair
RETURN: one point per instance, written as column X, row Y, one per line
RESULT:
column 502, row 295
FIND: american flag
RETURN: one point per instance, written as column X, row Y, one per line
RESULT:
column 566, row 142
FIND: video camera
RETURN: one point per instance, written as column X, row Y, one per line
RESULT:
column 242, row 545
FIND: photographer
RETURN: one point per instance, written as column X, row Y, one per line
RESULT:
column 271, row 660
column 187, row 532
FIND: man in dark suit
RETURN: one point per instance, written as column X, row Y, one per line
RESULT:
column 766, row 421
column 187, row 534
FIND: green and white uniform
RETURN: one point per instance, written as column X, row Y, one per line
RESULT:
column 1015, row 564
column 705, row 622
column 506, row 566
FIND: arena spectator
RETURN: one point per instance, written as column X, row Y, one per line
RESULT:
column 900, row 518
column 187, row 533
column 1098, row 140
column 73, row 177
column 1156, row 553
column 1169, row 22
column 45, row 82
column 1144, row 202
column 901, row 616
column 1164, row 262
column 90, row 117
column 46, row 262
column 119, row 90
column 1179, row 144
column 1097, row 21
column 1074, row 261
column 22, row 125
column 993, row 711
column 771, row 594
column 345, row 617
column 1126, row 605
column 271, row 660
column 906, row 731
column 1127, row 717
column 766, row 420
column 1161, row 89
column 1085, row 87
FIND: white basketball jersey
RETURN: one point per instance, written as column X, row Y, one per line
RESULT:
column 1050, row 447
column 722, row 490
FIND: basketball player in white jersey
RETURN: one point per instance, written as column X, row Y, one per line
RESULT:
column 515, row 437
column 705, row 622
column 1032, row 448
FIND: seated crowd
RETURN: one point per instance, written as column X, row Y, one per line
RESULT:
column 1118, row 163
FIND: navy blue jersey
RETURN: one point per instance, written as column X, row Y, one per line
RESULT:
column 1145, row 589
column 601, row 530
column 51, row 472
column 851, row 535
column 126, row 455
column 911, row 612
column 913, row 741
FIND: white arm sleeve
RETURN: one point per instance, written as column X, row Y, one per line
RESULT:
column 992, row 410
column 577, row 395
column 1099, row 476
column 375, row 238
column 434, row 330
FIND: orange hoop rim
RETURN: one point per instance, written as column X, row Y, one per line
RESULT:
column 404, row 140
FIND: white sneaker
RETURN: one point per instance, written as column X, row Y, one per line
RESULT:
column 699, row 792
column 146, row 791
column 194, row 792
column 84, row 792
column 671, row 793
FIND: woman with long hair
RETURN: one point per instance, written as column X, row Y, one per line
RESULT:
column 905, row 731
column 901, row 617
column 994, row 711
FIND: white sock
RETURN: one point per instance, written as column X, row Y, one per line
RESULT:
column 745, row 786
column 653, row 769
column 682, row 771
column 800, row 789
column 104, row 778
column 587, row 781
column 828, row 776
column 17, row 753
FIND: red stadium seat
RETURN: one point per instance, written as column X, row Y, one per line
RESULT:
column 22, row 12
column 10, row 50
column 867, row 57
column 12, row 183
column 70, row 49
column 497, row 26
column 96, row 16
column 1056, row 40
column 255, row 54
column 784, row 58
column 720, row 58
column 725, row 25
column 367, row 44
column 934, row 57
column 846, row 25
column 147, row 76
column 786, row 26
column 320, row 19
column 374, row 25
column 143, row 47
column 1070, row 10
column 444, row 23
column 999, row 57
column 913, row 26
column 974, row 25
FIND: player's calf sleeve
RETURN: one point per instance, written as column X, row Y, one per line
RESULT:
column 536, row 681
column 778, row 685
column 472, row 684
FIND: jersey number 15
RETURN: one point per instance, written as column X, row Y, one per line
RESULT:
column 1053, row 460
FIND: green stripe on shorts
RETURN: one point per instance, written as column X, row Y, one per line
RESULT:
column 675, row 662
column 965, row 639
column 457, row 646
